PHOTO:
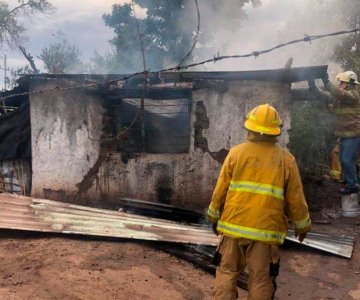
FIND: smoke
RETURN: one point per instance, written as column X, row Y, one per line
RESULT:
column 238, row 29
column 227, row 27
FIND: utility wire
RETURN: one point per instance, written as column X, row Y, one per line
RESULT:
column 196, row 35
column 142, row 100
column 140, row 35
column 140, row 112
column 307, row 38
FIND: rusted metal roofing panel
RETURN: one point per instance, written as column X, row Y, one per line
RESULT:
column 339, row 245
column 24, row 213
column 31, row 214
column 342, row 246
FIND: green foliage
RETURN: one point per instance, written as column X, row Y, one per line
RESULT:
column 61, row 56
column 348, row 55
column 167, row 30
column 311, row 136
column 11, row 30
column 326, row 16
column 346, row 52
column 103, row 64
column 11, row 81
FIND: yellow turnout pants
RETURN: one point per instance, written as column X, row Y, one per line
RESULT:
column 335, row 172
column 261, row 260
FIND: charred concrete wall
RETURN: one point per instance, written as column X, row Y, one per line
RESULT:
column 66, row 127
column 70, row 162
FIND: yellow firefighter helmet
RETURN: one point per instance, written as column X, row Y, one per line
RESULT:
column 264, row 119
column 348, row 76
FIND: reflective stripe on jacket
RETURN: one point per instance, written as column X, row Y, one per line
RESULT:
column 259, row 187
column 347, row 109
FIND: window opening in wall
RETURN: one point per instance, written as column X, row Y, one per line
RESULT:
column 164, row 128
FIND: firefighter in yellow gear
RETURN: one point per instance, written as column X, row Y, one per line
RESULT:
column 335, row 172
column 259, row 188
column 347, row 127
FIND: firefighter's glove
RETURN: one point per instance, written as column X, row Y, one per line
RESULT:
column 214, row 228
column 325, row 79
column 300, row 236
column 312, row 85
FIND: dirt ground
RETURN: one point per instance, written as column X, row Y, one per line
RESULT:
column 46, row 266
column 56, row 267
column 37, row 266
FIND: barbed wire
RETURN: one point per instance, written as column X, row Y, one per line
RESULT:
column 216, row 58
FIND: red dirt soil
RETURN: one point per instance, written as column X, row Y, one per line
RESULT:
column 38, row 266
column 45, row 266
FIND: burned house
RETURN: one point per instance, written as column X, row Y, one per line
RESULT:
column 160, row 137
column 15, row 142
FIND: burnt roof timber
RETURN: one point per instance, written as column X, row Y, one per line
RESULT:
column 309, row 95
column 164, row 93
column 280, row 75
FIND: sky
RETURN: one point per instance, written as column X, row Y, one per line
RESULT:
column 81, row 22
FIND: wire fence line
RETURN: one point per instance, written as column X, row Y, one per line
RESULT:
column 306, row 38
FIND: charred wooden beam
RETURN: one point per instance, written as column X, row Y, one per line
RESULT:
column 280, row 75
column 309, row 95
column 159, row 210
column 151, row 93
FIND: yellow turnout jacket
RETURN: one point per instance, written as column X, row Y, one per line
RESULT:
column 259, row 187
column 347, row 109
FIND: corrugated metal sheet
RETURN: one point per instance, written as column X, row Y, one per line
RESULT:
column 31, row 214
column 24, row 213
column 339, row 245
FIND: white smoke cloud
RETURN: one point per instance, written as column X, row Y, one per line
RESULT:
column 265, row 26
column 272, row 23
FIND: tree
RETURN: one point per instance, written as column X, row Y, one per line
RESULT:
column 12, row 80
column 11, row 30
column 167, row 31
column 311, row 138
column 61, row 56
column 322, row 17
column 103, row 64
column 347, row 52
